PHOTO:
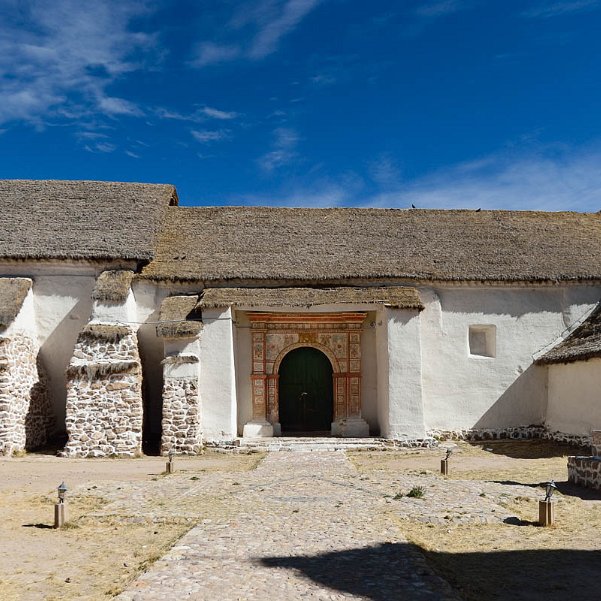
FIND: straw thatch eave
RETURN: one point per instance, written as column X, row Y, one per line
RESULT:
column 398, row 297
column 221, row 244
column 13, row 292
column 582, row 344
column 113, row 286
column 82, row 219
column 179, row 318
column 99, row 369
column 105, row 332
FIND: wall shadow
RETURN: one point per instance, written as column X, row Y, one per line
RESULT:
column 522, row 403
column 389, row 571
column 56, row 352
column 533, row 448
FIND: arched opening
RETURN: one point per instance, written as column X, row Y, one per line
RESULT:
column 305, row 391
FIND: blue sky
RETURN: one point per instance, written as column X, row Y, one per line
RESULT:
column 437, row 103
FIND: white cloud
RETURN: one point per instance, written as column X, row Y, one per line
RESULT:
column 208, row 53
column 321, row 194
column 560, row 181
column 290, row 14
column 214, row 113
column 556, row 9
column 205, row 136
column 198, row 116
column 58, row 57
column 441, row 8
column 284, row 152
column 104, row 147
column 269, row 21
column 384, row 171
column 118, row 106
column 556, row 181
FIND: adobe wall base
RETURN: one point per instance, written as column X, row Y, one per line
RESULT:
column 511, row 433
column 258, row 429
column 351, row 427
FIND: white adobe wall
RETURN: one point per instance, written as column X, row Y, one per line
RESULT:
column 243, row 358
column 217, row 382
column 25, row 321
column 574, row 397
column 149, row 297
column 462, row 391
column 116, row 312
column 399, row 372
column 63, row 305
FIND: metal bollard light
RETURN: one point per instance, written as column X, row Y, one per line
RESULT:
column 546, row 507
column 444, row 463
column 169, row 468
column 60, row 508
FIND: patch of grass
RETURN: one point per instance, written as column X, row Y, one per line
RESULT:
column 417, row 492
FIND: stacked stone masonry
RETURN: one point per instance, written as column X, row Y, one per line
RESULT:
column 585, row 471
column 512, row 433
column 181, row 417
column 25, row 409
column 104, row 397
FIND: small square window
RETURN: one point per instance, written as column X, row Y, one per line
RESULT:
column 483, row 340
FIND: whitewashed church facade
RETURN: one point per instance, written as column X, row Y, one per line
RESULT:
column 130, row 323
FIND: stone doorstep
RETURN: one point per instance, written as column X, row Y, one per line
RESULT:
column 313, row 444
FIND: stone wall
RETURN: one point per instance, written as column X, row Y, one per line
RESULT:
column 104, row 394
column 181, row 417
column 585, row 471
column 25, row 411
column 512, row 433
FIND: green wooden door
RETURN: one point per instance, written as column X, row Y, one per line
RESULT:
column 305, row 391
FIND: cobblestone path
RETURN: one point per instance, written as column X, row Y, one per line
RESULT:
column 301, row 526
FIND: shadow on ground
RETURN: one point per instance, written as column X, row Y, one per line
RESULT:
column 529, row 449
column 566, row 488
column 386, row 572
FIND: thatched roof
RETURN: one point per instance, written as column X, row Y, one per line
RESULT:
column 393, row 296
column 81, row 220
column 107, row 332
column 179, row 317
column 582, row 344
column 113, row 286
column 12, row 294
column 330, row 245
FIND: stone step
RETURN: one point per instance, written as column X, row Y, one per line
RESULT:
column 313, row 444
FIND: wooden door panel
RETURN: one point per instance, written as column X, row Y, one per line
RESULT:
column 305, row 391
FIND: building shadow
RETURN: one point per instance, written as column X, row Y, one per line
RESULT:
column 391, row 571
column 565, row 487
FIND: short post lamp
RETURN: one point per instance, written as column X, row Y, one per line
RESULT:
column 60, row 508
column 169, row 467
column 444, row 463
column 546, row 507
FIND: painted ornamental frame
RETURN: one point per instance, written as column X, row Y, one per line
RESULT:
column 337, row 335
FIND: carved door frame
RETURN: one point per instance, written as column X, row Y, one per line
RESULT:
column 337, row 335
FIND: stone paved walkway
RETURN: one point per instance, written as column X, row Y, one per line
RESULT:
column 301, row 526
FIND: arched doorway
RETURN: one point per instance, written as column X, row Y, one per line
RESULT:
column 305, row 391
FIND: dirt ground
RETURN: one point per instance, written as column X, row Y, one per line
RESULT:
column 511, row 561
column 102, row 550
column 92, row 558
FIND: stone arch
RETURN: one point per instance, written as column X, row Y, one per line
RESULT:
column 320, row 347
